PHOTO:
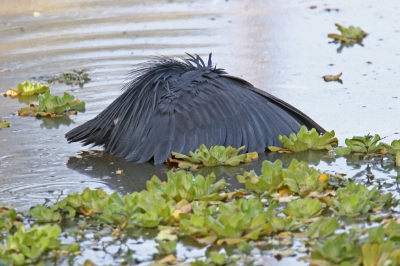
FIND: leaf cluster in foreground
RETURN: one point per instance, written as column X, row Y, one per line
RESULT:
column 274, row 208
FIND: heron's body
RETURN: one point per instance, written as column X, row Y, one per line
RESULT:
column 173, row 105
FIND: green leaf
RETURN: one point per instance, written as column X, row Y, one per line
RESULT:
column 166, row 247
column 304, row 208
column 26, row 88
column 59, row 105
column 340, row 151
column 306, row 140
column 218, row 258
column 323, row 227
column 215, row 155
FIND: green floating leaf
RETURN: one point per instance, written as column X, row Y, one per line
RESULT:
column 357, row 199
column 28, row 89
column 304, row 208
column 25, row 246
column 336, row 251
column 218, row 258
column 53, row 106
column 349, row 35
column 306, row 140
column 301, row 179
column 361, row 144
column 166, row 247
column 182, row 185
column 393, row 148
column 216, row 155
column 323, row 227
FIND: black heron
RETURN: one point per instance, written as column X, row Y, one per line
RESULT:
column 177, row 105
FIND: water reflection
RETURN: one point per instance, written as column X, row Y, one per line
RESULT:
column 101, row 165
column 55, row 122
column 347, row 45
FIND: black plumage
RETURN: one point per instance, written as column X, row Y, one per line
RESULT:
column 173, row 105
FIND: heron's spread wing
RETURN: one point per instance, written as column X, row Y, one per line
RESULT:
column 178, row 105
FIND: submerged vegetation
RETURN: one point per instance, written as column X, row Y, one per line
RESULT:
column 76, row 77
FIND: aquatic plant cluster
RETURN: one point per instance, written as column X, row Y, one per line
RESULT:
column 284, row 211
column 48, row 105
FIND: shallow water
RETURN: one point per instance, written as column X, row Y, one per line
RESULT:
column 279, row 46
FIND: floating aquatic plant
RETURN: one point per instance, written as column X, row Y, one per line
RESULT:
column 341, row 250
column 182, row 185
column 298, row 179
column 360, row 144
column 304, row 208
column 354, row 200
column 349, row 35
column 393, row 148
column 53, row 106
column 201, row 208
column 306, row 140
column 27, row 246
column 76, row 77
column 215, row 155
column 27, row 89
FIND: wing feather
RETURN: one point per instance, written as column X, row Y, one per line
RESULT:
column 173, row 105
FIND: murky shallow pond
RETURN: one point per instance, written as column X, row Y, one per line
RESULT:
column 279, row 46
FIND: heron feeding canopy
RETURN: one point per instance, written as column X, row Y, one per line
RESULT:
column 178, row 105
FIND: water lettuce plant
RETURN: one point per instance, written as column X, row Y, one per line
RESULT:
column 341, row 250
column 298, row 179
column 354, row 200
column 215, row 155
column 182, row 185
column 304, row 208
column 323, row 227
column 200, row 207
column 393, row 148
column 53, row 106
column 27, row 246
column 268, row 182
column 349, row 35
column 367, row 144
column 27, row 89
column 306, row 140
